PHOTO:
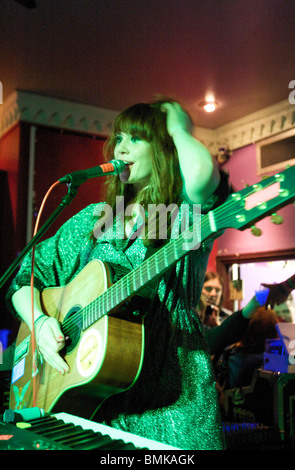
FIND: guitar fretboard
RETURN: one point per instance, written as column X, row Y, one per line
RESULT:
column 133, row 282
column 232, row 214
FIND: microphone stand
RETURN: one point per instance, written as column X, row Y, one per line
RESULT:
column 66, row 200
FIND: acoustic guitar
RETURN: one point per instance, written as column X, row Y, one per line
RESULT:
column 105, row 342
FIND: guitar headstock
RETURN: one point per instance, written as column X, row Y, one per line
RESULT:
column 243, row 208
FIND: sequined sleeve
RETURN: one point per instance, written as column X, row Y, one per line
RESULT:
column 59, row 258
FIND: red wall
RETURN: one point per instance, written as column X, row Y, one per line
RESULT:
column 58, row 153
column 9, row 161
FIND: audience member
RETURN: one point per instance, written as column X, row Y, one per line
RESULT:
column 278, row 293
column 212, row 298
column 230, row 330
column 237, row 364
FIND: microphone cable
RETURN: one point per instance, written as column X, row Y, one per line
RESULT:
column 33, row 337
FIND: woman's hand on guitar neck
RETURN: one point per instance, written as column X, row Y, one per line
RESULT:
column 50, row 341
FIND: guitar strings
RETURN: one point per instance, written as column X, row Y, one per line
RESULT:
column 102, row 304
column 121, row 289
column 105, row 302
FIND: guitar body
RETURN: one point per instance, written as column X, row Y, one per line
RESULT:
column 105, row 354
column 104, row 359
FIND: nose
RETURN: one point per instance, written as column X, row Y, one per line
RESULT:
column 122, row 147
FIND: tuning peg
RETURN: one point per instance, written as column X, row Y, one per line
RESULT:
column 276, row 219
column 256, row 231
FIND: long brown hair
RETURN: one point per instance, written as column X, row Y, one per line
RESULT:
column 148, row 122
column 262, row 326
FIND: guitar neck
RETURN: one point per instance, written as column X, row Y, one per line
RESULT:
column 240, row 210
column 148, row 271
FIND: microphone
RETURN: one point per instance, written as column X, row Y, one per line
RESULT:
column 113, row 167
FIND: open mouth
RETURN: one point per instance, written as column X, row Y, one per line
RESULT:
column 124, row 176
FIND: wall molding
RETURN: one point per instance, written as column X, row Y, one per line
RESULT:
column 250, row 129
column 43, row 110
column 255, row 127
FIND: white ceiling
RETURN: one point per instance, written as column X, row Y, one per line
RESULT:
column 113, row 53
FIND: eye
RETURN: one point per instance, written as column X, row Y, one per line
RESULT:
column 118, row 139
column 135, row 138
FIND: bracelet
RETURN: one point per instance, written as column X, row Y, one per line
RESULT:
column 40, row 316
column 45, row 317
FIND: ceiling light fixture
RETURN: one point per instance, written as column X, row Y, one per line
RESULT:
column 208, row 106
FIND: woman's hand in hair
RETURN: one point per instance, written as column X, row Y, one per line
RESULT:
column 199, row 170
column 177, row 118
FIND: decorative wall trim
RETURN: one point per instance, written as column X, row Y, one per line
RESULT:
column 257, row 126
column 43, row 110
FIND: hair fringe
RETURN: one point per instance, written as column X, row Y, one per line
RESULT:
column 149, row 122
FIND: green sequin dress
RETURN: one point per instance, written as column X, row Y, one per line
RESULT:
column 174, row 401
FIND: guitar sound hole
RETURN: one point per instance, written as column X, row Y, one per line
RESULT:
column 71, row 327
